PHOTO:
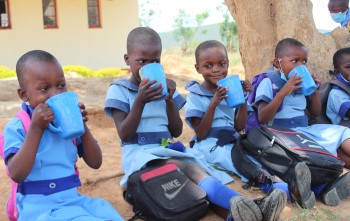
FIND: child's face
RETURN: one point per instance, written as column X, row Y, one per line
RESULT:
column 139, row 56
column 41, row 80
column 212, row 64
column 344, row 67
column 337, row 6
column 293, row 56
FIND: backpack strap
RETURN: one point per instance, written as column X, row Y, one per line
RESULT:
column 25, row 118
column 248, row 168
column 341, row 85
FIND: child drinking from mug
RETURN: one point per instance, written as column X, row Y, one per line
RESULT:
column 132, row 105
column 290, row 53
column 40, row 161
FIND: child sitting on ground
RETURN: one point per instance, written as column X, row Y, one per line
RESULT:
column 290, row 53
column 131, row 103
column 338, row 103
column 40, row 158
column 212, row 120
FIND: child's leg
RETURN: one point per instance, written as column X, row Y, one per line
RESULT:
column 220, row 195
column 298, row 189
column 344, row 152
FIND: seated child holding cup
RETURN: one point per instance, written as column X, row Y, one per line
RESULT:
column 289, row 54
column 42, row 161
column 137, row 112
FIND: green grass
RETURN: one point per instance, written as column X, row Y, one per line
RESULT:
column 317, row 214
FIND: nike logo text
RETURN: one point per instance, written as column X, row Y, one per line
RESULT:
column 171, row 185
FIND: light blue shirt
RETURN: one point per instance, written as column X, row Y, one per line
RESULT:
column 338, row 105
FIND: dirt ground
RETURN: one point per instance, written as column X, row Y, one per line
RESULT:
column 104, row 182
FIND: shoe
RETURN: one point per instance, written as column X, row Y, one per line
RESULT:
column 272, row 205
column 244, row 209
column 300, row 187
column 337, row 191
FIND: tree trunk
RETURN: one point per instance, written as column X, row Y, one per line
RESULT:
column 262, row 24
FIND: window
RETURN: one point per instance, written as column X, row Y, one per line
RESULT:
column 4, row 14
column 49, row 14
column 93, row 13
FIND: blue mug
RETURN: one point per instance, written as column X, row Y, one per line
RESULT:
column 68, row 121
column 308, row 85
column 155, row 71
column 235, row 96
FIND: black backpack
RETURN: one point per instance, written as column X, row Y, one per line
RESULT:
column 279, row 150
column 324, row 90
column 165, row 193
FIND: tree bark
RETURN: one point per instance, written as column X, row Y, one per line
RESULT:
column 262, row 24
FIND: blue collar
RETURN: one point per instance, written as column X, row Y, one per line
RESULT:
column 195, row 87
column 126, row 83
column 28, row 109
column 342, row 80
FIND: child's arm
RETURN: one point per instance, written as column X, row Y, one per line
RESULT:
column 127, row 123
column 314, row 104
column 22, row 162
column 266, row 111
column 241, row 116
column 91, row 150
column 202, row 126
column 174, row 119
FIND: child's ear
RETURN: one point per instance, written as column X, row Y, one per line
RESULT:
column 336, row 72
column 276, row 64
column 22, row 94
column 197, row 68
column 126, row 59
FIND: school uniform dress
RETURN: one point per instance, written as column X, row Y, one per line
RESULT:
column 345, row 22
column 292, row 115
column 338, row 103
column 197, row 104
column 145, row 145
column 49, row 192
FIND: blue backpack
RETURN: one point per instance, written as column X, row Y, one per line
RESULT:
column 277, row 84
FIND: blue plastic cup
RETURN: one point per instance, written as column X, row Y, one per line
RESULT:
column 235, row 96
column 68, row 121
column 155, row 71
column 308, row 85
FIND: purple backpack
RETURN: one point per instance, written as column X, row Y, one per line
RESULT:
column 277, row 84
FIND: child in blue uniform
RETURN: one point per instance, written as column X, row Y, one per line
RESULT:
column 40, row 160
column 142, row 122
column 338, row 104
column 212, row 120
column 290, row 53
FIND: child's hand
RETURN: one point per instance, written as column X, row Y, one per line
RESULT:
column 291, row 85
column 219, row 95
column 148, row 93
column 317, row 80
column 247, row 86
column 83, row 112
column 42, row 116
column 171, row 88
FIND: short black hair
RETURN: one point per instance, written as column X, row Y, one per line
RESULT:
column 143, row 35
column 208, row 44
column 32, row 56
column 342, row 2
column 339, row 56
column 284, row 44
